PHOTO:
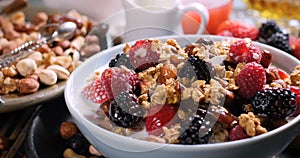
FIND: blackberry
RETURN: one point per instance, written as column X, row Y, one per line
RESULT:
column 196, row 132
column 275, row 103
column 280, row 41
column 195, row 67
column 121, row 59
column 78, row 144
column 268, row 28
column 125, row 110
column 271, row 34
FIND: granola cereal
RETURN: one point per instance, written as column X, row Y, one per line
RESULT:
column 193, row 94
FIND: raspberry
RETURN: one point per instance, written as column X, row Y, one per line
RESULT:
column 159, row 116
column 237, row 133
column 251, row 79
column 144, row 54
column 117, row 80
column 125, row 110
column 237, row 29
column 275, row 103
column 244, row 51
column 96, row 92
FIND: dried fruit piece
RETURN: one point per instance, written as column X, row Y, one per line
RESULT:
column 237, row 133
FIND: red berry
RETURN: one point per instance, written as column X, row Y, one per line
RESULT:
column 112, row 82
column 296, row 90
column 237, row 133
column 280, row 73
column 251, row 79
column 244, row 51
column 117, row 80
column 238, row 29
column 144, row 53
column 225, row 33
column 96, row 92
column 295, row 45
column 159, row 116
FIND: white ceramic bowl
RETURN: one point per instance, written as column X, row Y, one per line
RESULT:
column 114, row 145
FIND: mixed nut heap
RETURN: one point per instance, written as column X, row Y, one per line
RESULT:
column 204, row 92
column 76, row 144
column 48, row 64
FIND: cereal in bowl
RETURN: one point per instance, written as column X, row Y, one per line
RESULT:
column 200, row 93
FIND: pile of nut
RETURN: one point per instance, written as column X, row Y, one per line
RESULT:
column 48, row 64
column 76, row 144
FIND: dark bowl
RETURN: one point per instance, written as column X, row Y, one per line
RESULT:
column 43, row 139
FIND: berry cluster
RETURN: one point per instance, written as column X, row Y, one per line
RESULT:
column 141, row 88
column 269, row 33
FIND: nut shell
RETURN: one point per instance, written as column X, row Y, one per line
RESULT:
column 61, row 72
column 26, row 67
column 48, row 77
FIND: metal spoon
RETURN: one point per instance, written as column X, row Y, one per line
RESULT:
column 62, row 31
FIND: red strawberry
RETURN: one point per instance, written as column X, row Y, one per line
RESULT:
column 96, row 92
column 251, row 79
column 144, row 53
column 237, row 133
column 117, row 80
column 112, row 82
column 244, row 51
column 238, row 29
column 159, row 116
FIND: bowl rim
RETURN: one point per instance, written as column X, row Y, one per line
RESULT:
column 230, row 144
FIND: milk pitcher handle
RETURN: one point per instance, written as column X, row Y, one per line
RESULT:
column 201, row 10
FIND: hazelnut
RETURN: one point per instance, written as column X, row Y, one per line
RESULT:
column 28, row 85
column 58, row 50
column 69, row 153
column 68, row 129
